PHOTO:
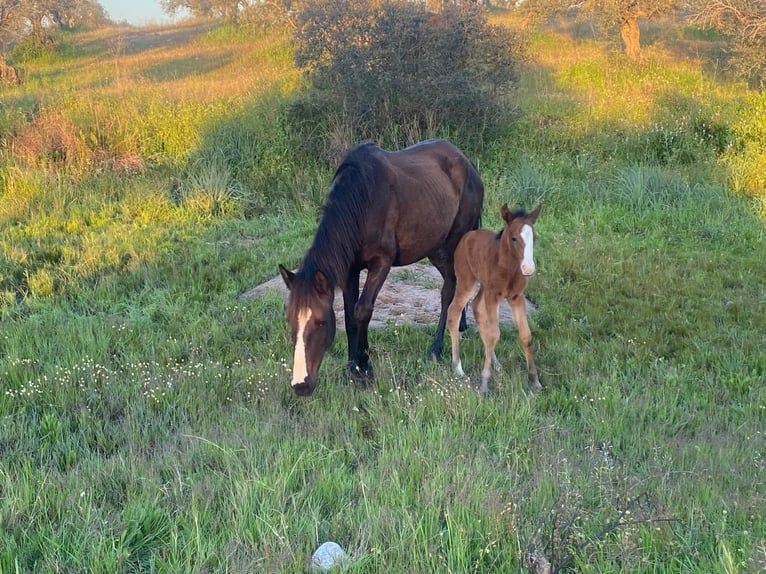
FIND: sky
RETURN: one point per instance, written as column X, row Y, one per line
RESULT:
column 136, row 12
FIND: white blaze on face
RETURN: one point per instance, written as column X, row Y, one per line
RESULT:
column 528, row 262
column 300, row 370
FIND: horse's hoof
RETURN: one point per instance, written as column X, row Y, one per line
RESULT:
column 534, row 385
column 359, row 373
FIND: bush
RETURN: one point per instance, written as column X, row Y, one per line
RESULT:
column 746, row 160
column 392, row 65
column 35, row 47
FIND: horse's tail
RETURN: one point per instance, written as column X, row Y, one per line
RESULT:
column 473, row 193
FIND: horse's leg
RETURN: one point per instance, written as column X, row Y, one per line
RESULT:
column 489, row 329
column 377, row 271
column 519, row 308
column 350, row 297
column 455, row 311
column 446, row 267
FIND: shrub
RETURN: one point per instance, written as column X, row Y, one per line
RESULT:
column 35, row 47
column 384, row 66
column 746, row 160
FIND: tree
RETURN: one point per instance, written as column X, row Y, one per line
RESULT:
column 388, row 64
column 608, row 16
column 221, row 9
column 745, row 22
column 21, row 18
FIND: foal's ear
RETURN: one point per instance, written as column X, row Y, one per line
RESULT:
column 321, row 284
column 507, row 215
column 287, row 276
column 533, row 216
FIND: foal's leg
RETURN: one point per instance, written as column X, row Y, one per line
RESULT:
column 480, row 313
column 489, row 329
column 456, row 310
column 377, row 271
column 519, row 308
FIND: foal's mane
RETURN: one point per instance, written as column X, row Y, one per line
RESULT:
column 338, row 236
column 514, row 215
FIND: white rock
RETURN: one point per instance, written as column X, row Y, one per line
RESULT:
column 329, row 554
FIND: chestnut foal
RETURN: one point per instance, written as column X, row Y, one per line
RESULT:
column 500, row 263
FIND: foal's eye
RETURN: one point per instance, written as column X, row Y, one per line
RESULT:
column 513, row 238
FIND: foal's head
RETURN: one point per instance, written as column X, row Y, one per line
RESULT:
column 311, row 319
column 519, row 237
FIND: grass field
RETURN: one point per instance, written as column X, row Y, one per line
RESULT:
column 150, row 177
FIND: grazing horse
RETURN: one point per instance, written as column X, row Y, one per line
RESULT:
column 500, row 263
column 384, row 209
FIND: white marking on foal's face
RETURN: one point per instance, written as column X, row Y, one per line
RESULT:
column 528, row 262
column 300, row 370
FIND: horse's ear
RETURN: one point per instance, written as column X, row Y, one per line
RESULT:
column 287, row 276
column 535, row 213
column 321, row 284
column 507, row 215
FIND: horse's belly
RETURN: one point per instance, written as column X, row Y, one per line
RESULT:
column 411, row 248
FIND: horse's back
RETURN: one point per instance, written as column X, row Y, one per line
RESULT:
column 412, row 203
column 432, row 156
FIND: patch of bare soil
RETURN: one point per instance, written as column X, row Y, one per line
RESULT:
column 411, row 295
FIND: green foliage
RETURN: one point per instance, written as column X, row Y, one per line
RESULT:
column 147, row 530
column 379, row 66
column 747, row 159
column 250, row 153
column 34, row 47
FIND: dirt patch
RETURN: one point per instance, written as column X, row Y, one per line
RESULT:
column 410, row 296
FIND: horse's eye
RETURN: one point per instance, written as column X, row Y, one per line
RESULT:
column 513, row 238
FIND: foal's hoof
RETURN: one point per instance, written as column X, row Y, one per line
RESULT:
column 534, row 385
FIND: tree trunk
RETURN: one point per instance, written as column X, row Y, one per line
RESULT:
column 631, row 37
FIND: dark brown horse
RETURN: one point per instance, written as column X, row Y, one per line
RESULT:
column 500, row 263
column 384, row 209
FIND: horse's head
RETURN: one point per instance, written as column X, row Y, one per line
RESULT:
column 520, row 237
column 311, row 319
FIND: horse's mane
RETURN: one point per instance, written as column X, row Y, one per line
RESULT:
column 338, row 236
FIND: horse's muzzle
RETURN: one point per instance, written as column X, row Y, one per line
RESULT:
column 303, row 389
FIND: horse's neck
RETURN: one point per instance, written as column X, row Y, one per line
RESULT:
column 334, row 261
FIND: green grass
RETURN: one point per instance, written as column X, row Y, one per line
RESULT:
column 147, row 421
